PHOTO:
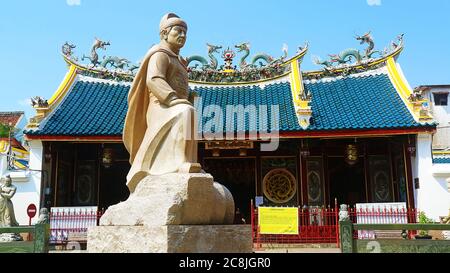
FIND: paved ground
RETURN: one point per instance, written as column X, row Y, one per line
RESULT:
column 297, row 248
column 303, row 248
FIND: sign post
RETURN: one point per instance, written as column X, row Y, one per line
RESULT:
column 31, row 211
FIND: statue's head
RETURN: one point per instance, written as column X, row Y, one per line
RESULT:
column 8, row 180
column 173, row 30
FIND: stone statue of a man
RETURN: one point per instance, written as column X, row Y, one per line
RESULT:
column 159, row 131
column 7, row 191
column 167, row 185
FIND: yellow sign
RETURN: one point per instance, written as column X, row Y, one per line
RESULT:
column 278, row 220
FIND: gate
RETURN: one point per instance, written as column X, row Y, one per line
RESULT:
column 70, row 224
column 317, row 225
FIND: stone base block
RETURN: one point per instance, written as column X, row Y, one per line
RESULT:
column 170, row 239
column 174, row 199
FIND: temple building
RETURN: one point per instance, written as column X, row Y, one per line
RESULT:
column 351, row 132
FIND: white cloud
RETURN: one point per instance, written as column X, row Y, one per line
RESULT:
column 73, row 2
column 24, row 102
column 369, row 2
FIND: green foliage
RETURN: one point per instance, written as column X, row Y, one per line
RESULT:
column 4, row 130
column 423, row 219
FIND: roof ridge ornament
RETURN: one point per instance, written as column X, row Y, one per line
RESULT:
column 98, row 44
column 228, row 56
column 67, row 49
column 352, row 60
column 261, row 66
column 38, row 102
column 109, row 67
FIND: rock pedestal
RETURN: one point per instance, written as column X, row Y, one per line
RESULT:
column 187, row 213
column 171, row 239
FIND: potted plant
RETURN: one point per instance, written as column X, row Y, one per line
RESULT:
column 423, row 219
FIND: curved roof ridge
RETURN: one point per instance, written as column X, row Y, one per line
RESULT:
column 261, row 84
column 85, row 78
column 368, row 73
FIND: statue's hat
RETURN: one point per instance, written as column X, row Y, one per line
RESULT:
column 170, row 20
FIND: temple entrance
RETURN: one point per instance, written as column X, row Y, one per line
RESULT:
column 113, row 180
column 239, row 176
column 86, row 174
column 347, row 182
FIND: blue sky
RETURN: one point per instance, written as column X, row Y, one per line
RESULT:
column 32, row 32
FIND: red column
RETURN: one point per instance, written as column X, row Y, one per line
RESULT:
column 304, row 177
column 409, row 177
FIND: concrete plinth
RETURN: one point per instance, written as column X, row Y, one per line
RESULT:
column 170, row 239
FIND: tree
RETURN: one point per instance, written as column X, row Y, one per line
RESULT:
column 5, row 129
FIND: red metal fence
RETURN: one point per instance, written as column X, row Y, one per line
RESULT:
column 316, row 225
column 72, row 224
column 321, row 225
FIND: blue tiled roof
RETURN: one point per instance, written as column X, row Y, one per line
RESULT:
column 369, row 102
column 89, row 109
column 245, row 96
column 441, row 160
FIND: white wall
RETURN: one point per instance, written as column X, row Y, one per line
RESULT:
column 3, row 165
column 28, row 185
column 441, row 113
column 21, row 123
column 441, row 139
column 441, row 173
column 432, row 197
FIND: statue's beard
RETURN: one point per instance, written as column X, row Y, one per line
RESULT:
column 181, row 41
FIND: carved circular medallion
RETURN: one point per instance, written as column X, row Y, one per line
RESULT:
column 84, row 192
column 279, row 186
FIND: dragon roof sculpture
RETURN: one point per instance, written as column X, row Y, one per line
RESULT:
column 261, row 66
column 354, row 61
column 110, row 67
column 249, row 69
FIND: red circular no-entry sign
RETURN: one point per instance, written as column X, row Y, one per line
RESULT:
column 31, row 210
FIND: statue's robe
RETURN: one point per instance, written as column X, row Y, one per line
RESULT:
column 159, row 138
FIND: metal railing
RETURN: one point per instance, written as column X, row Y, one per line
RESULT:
column 72, row 225
column 320, row 225
column 350, row 244
column 37, row 239
column 385, row 215
column 316, row 225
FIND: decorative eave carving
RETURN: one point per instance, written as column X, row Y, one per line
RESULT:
column 229, row 145
column 43, row 107
column 301, row 98
column 414, row 100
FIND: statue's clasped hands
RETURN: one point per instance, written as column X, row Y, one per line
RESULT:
column 174, row 100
